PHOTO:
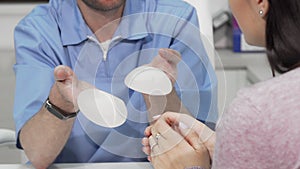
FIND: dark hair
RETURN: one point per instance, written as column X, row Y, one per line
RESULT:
column 283, row 35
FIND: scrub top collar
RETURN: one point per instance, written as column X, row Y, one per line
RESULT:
column 72, row 25
column 74, row 30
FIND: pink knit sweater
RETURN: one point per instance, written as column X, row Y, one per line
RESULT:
column 261, row 128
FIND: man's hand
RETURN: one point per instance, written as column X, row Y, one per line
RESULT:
column 41, row 147
column 167, row 60
column 66, row 89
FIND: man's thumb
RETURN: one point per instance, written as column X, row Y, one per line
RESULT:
column 62, row 73
column 170, row 55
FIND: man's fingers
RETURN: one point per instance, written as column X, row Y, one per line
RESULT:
column 170, row 55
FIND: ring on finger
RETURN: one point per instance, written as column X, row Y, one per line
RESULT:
column 152, row 141
column 157, row 136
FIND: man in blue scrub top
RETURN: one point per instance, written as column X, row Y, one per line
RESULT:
column 72, row 33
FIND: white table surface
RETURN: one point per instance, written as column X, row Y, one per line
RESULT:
column 141, row 165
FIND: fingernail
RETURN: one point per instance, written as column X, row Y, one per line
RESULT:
column 144, row 140
column 182, row 125
column 156, row 117
column 163, row 51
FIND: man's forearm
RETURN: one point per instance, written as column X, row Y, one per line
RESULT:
column 157, row 105
column 175, row 104
column 43, row 137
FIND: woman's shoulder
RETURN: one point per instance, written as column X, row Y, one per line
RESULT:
column 262, row 124
column 279, row 89
column 269, row 103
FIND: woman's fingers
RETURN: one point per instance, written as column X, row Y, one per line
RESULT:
column 146, row 146
column 186, row 122
column 147, row 131
column 191, row 137
column 164, row 136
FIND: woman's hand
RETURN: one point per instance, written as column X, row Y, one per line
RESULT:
column 168, row 147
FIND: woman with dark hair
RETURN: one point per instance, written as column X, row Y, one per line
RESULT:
column 260, row 129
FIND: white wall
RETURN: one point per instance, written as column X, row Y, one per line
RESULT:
column 10, row 14
column 217, row 6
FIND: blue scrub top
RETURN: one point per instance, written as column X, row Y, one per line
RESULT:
column 56, row 34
